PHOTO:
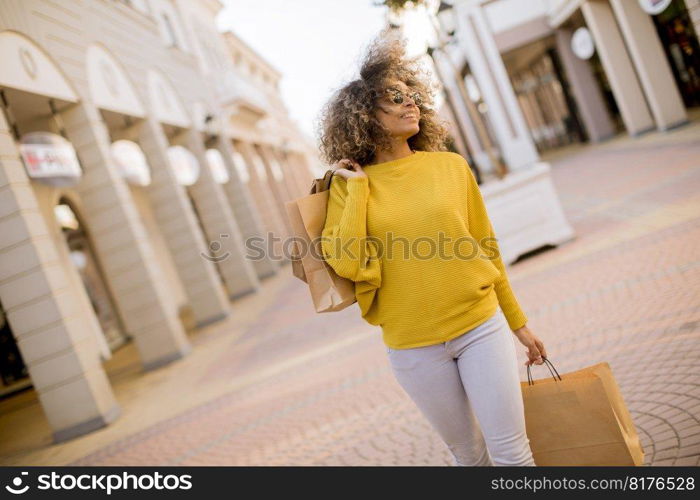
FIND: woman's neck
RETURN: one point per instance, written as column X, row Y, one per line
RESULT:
column 395, row 153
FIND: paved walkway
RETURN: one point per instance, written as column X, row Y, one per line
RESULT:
column 280, row 384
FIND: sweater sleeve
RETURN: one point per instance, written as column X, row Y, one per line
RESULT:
column 344, row 242
column 481, row 229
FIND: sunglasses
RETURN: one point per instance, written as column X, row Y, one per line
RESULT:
column 397, row 96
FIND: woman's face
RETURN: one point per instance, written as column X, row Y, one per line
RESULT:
column 401, row 119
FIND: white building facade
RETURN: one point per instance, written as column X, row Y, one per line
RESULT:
column 536, row 75
column 126, row 196
column 568, row 71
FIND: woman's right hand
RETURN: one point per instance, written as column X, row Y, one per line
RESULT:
column 344, row 166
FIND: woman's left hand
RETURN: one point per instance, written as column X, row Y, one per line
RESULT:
column 535, row 347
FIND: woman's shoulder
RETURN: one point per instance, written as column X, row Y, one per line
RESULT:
column 449, row 156
column 448, row 159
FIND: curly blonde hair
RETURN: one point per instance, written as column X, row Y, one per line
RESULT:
column 347, row 126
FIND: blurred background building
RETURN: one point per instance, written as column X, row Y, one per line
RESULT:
column 561, row 72
column 139, row 149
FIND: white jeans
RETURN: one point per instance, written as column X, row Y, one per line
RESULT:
column 469, row 390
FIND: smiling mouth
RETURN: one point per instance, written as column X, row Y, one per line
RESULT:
column 409, row 115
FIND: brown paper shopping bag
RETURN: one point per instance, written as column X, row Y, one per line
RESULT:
column 307, row 216
column 580, row 418
column 297, row 266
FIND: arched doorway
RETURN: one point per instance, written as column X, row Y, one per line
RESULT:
column 85, row 260
column 187, row 171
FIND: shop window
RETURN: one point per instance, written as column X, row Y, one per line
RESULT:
column 680, row 43
column 549, row 112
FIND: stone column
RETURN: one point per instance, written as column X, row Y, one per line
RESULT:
column 279, row 187
column 227, row 249
column 650, row 61
column 589, row 98
column 181, row 230
column 618, row 66
column 301, row 172
column 54, row 334
column 302, row 159
column 486, row 64
column 121, row 242
column 243, row 206
column 291, row 174
column 448, row 113
column 452, row 91
column 260, row 188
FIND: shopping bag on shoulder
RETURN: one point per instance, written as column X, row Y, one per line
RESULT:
column 307, row 215
column 580, row 418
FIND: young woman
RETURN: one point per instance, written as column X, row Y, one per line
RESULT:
column 407, row 223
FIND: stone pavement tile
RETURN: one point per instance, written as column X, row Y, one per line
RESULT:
column 219, row 420
column 667, row 438
column 687, row 461
column 690, row 451
column 690, row 440
column 665, row 462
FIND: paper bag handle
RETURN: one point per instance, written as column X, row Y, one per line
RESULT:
column 549, row 365
column 322, row 184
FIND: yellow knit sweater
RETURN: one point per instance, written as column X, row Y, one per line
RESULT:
column 415, row 238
